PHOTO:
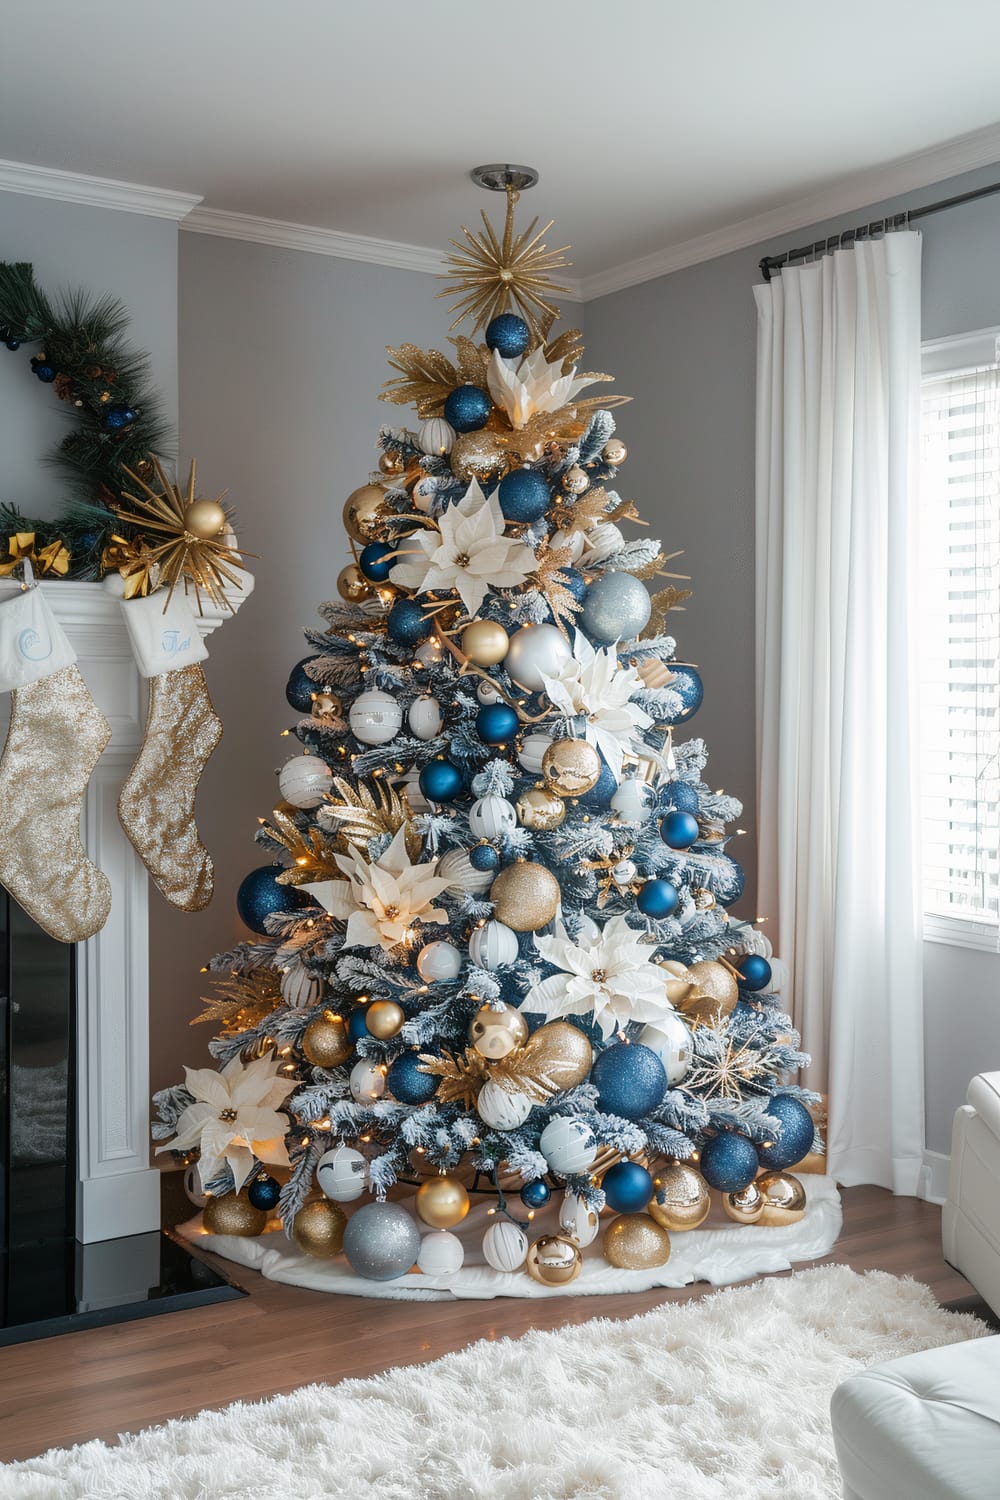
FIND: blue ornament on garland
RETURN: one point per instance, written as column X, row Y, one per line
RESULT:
column 117, row 418
column 728, row 1162
column 509, row 335
column 496, row 723
column 616, row 607
column 630, row 1081
column 535, row 1194
column 299, row 688
column 603, row 790
column 628, row 1187
column 679, row 830
column 657, row 899
column 357, row 1026
column 264, row 1193
column 440, row 781
column 260, row 895
column 467, row 408
column 523, row 495
column 797, row 1133
column 407, row 624
column 484, row 858
column 407, row 1083
column 755, row 972
column 41, row 367
column 686, row 682
column 680, row 795
column 376, row 560
column 11, row 343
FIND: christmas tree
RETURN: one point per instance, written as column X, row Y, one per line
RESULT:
column 495, row 952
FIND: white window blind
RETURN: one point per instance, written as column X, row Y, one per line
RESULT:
column 960, row 610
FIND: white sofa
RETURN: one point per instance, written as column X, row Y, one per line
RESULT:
column 970, row 1222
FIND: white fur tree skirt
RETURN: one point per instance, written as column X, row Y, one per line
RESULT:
column 720, row 1253
column 720, row 1398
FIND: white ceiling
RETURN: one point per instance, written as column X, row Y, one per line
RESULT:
column 652, row 122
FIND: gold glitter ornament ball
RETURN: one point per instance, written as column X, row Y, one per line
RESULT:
column 632, row 1242
column 784, row 1198
column 554, row 1260
column 525, row 896
column 614, row 452
column 205, row 519
column 557, row 1056
column 744, row 1207
column 540, row 809
column 477, row 455
column 319, row 1229
column 441, row 1202
column 715, row 991
column 233, row 1213
column 485, row 642
column 325, row 1042
column 352, row 584
column 365, row 511
column 384, row 1019
column 571, row 767
column 686, row 1199
column 497, row 1033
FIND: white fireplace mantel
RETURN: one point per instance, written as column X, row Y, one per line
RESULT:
column 118, row 1193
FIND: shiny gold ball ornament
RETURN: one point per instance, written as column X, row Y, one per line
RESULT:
column 390, row 463
column 540, row 809
column 554, row 1260
column 715, row 991
column 384, row 1019
column 497, row 1033
column 485, row 642
column 352, row 584
column 576, row 480
column 325, row 1042
column 365, row 511
column 319, row 1229
column 233, row 1213
column 205, row 519
column 525, row 896
column 686, row 1199
column 571, row 767
column 441, row 1202
column 614, row 452
column 326, row 706
column 557, row 1056
column 477, row 455
column 784, row 1198
column 632, row 1242
column 744, row 1207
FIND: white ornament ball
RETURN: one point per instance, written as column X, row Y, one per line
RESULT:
column 493, row 946
column 624, row 872
column 670, row 1039
column 500, row 1109
column 603, row 540
column 487, row 693
column 492, row 817
column 342, row 1174
column 299, row 989
column 305, row 780
column 581, row 1223
column 461, row 875
column 192, row 1186
column 568, row 1145
column 423, row 493
column 441, row 1253
column 425, row 718
column 574, row 540
column 375, row 718
column 437, row 961
column 634, row 801
column 532, row 752
column 536, row 652
column 505, row 1246
column 367, row 1080
column 437, row 436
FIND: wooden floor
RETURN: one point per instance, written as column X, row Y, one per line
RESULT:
column 64, row 1390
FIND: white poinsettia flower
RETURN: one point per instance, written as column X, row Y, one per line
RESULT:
column 595, row 685
column 611, row 975
column 467, row 551
column 234, row 1118
column 532, row 386
column 382, row 902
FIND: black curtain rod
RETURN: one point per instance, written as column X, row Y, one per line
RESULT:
column 867, row 231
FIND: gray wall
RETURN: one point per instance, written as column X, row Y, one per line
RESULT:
column 685, row 345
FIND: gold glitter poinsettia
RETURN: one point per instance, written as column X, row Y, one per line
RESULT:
column 242, row 1001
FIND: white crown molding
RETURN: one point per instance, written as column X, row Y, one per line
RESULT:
column 96, row 192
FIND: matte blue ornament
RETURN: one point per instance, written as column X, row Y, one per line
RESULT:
column 797, row 1133
column 496, row 723
column 603, row 790
column 509, row 335
column 376, row 560
column 41, row 367
column 406, row 1083
column 728, row 1162
column 467, row 408
column 728, row 879
column 299, row 688
column 523, row 495
column 686, row 682
column 574, row 582
column 630, row 1081
column 407, row 623
column 627, row 1187
column 681, row 795
column 679, row 830
column 116, row 417
column 657, row 898
column 260, row 895
column 440, row 781
column 616, row 607
column 755, row 971
column 484, row 858
column 357, row 1026
column 264, row 1193
column 535, row 1194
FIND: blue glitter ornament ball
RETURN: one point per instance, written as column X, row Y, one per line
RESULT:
column 260, row 895
column 687, row 684
column 407, row 624
column 357, row 1026
column 117, row 417
column 797, row 1133
column 627, row 1187
column 45, row 372
column 630, row 1081
column 406, row 1083
column 300, row 688
column 728, row 1162
column 574, row 581
column 603, row 790
column 755, row 972
column 523, row 495
column 496, row 723
column 680, row 795
column 440, row 781
column 616, row 607
column 375, row 561
column 509, row 335
column 264, row 1193
column 678, row 829
column 535, row 1194
column 657, row 899
column 484, row 858
column 728, row 879
column 467, row 408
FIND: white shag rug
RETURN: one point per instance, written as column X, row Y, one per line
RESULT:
column 722, row 1398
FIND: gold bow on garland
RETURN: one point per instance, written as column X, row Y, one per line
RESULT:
column 134, row 561
column 21, row 548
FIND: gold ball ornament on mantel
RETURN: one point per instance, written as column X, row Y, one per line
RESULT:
column 233, row 1213
column 686, row 1198
column 497, row 1033
column 525, row 896
column 478, row 455
column 715, row 991
column 540, row 809
column 554, row 1260
column 319, row 1229
column 365, row 512
column 384, row 1019
column 571, row 767
column 325, row 1042
column 352, row 584
column 632, row 1242
column 784, row 1198
column 205, row 519
column 744, row 1207
column 485, row 642
column 441, row 1202
column 556, row 1057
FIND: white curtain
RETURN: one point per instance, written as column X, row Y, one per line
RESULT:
column 838, row 383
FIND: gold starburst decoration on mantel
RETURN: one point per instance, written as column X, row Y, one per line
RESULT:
column 491, row 275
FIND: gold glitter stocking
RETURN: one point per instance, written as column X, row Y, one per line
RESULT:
column 55, row 740
column 156, row 806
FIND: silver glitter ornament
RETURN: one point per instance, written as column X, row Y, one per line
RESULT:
column 381, row 1241
column 616, row 607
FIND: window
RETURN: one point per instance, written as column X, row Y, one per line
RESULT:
column 960, row 649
